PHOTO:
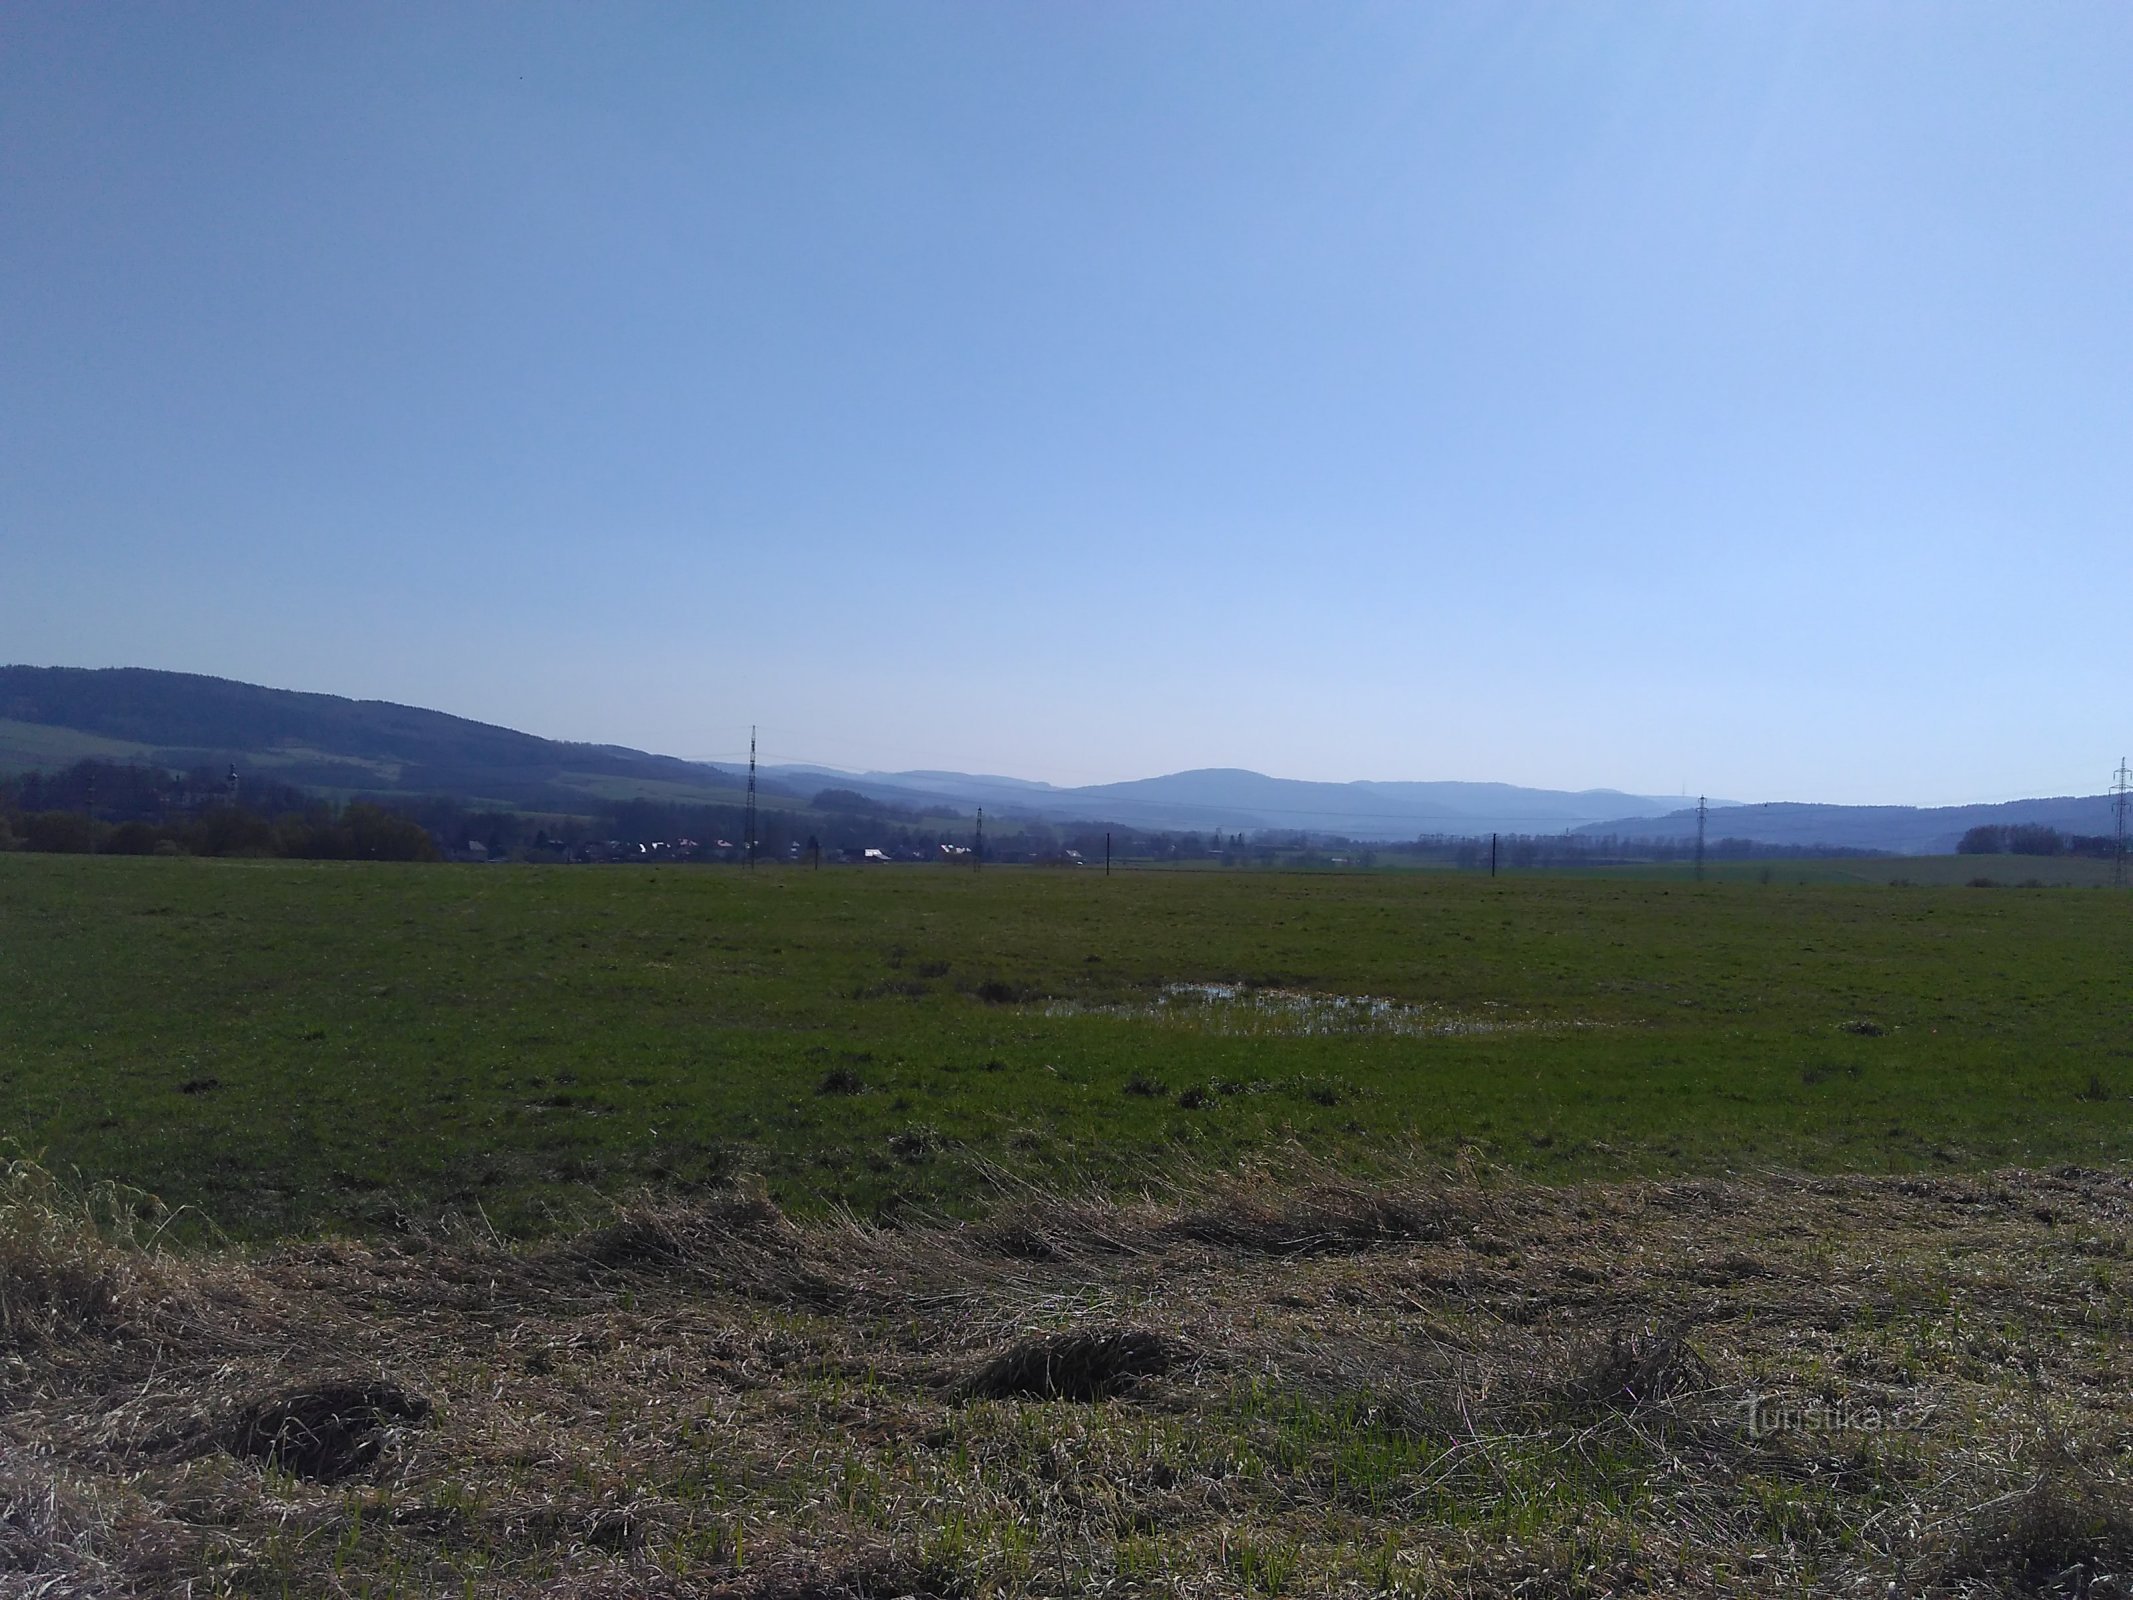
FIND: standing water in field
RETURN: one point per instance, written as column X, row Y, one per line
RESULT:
column 1236, row 1008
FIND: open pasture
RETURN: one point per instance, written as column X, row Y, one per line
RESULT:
column 297, row 1046
column 1900, row 872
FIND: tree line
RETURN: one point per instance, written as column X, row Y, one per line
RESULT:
column 103, row 808
column 1545, row 851
column 128, row 809
column 125, row 809
column 2034, row 839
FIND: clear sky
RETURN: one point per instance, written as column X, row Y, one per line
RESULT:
column 1732, row 396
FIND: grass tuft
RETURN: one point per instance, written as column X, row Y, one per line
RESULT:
column 325, row 1431
column 1086, row 1364
column 74, row 1264
column 1331, row 1215
column 1631, row 1369
column 2068, row 1532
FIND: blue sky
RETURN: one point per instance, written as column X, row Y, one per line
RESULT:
column 1734, row 397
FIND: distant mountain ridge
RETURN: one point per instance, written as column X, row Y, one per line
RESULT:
column 1232, row 799
column 1904, row 830
column 54, row 716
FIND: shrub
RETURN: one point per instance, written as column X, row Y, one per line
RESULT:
column 132, row 839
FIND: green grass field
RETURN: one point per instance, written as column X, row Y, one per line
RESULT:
column 296, row 1046
column 1900, row 872
column 34, row 747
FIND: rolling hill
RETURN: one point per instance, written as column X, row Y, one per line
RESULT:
column 53, row 716
column 1903, row 830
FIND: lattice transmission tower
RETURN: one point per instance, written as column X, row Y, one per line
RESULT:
column 748, row 822
column 2121, row 799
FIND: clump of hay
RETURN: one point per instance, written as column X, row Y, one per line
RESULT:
column 1333, row 1216
column 325, row 1431
column 876, row 1577
column 1032, row 1225
column 1634, row 1368
column 62, row 1536
column 1084, row 1365
column 2069, row 1531
column 709, row 1231
column 72, row 1264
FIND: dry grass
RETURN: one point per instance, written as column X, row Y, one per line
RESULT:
column 1286, row 1382
column 1084, row 1364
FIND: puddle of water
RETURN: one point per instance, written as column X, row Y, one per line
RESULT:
column 1233, row 1008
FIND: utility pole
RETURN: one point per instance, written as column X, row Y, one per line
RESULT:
column 2121, row 797
column 1107, row 854
column 88, row 807
column 748, row 833
column 1492, row 855
column 977, row 849
column 1702, row 811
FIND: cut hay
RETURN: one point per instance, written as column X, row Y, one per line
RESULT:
column 74, row 1263
column 1632, row 1369
column 325, row 1431
column 1091, row 1364
column 877, row 1578
column 1425, row 1384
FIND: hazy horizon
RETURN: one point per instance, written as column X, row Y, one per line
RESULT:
column 772, row 761
column 1673, row 399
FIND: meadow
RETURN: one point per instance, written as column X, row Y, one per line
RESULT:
column 840, row 1235
column 280, row 1047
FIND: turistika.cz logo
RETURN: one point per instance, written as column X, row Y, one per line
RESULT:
column 1769, row 1414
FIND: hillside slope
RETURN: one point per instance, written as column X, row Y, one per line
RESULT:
column 1907, row 830
column 50, row 716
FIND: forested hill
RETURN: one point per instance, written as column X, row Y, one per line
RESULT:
column 1905, row 830
column 50, row 716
